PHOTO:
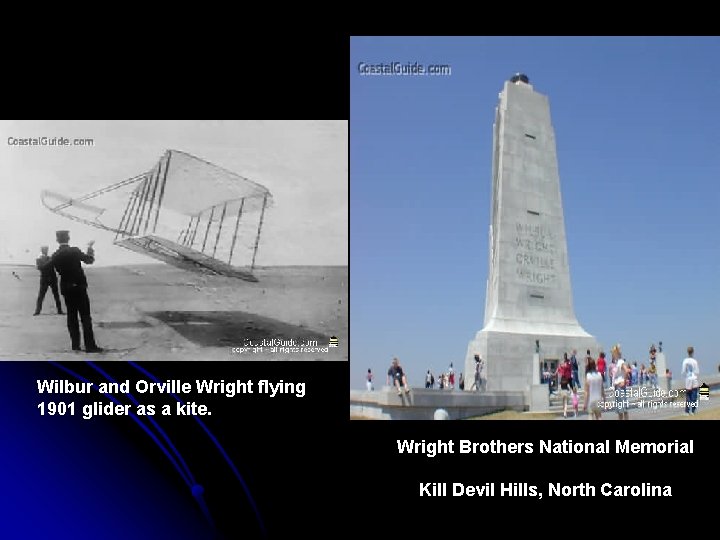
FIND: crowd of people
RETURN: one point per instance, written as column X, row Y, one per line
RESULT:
column 447, row 380
column 600, row 379
column 609, row 383
column 603, row 382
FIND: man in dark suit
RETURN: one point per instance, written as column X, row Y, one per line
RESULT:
column 73, row 286
column 47, row 279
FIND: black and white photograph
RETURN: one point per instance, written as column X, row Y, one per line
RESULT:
column 174, row 240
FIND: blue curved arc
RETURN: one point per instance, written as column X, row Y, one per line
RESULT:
column 191, row 484
column 136, row 419
column 188, row 481
column 219, row 447
column 153, row 422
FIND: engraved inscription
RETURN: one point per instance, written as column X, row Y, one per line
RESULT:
column 537, row 231
column 536, row 278
column 536, row 261
column 535, row 254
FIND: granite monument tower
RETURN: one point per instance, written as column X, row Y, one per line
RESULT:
column 529, row 315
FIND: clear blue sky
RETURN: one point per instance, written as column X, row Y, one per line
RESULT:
column 637, row 124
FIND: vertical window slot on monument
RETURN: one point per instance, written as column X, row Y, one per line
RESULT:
column 540, row 296
column 533, row 212
column 530, row 136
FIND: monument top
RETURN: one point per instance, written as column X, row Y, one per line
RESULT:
column 520, row 77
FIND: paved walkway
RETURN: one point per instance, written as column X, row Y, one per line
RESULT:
column 648, row 414
column 664, row 412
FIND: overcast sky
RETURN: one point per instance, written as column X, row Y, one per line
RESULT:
column 302, row 163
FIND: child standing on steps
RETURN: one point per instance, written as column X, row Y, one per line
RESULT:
column 575, row 400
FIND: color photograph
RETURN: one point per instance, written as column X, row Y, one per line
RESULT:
column 534, row 228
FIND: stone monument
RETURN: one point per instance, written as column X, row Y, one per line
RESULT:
column 529, row 315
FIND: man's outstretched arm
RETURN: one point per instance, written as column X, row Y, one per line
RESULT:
column 89, row 257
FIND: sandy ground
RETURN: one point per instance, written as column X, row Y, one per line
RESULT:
column 158, row 312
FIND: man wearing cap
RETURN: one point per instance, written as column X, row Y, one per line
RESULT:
column 47, row 279
column 73, row 286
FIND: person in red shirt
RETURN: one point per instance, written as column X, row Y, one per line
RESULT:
column 601, row 366
column 565, row 373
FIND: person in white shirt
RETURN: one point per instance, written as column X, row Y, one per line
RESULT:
column 594, row 391
column 477, row 385
column 692, row 382
column 619, row 383
column 369, row 380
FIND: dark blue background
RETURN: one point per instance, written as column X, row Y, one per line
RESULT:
column 67, row 477
column 73, row 478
